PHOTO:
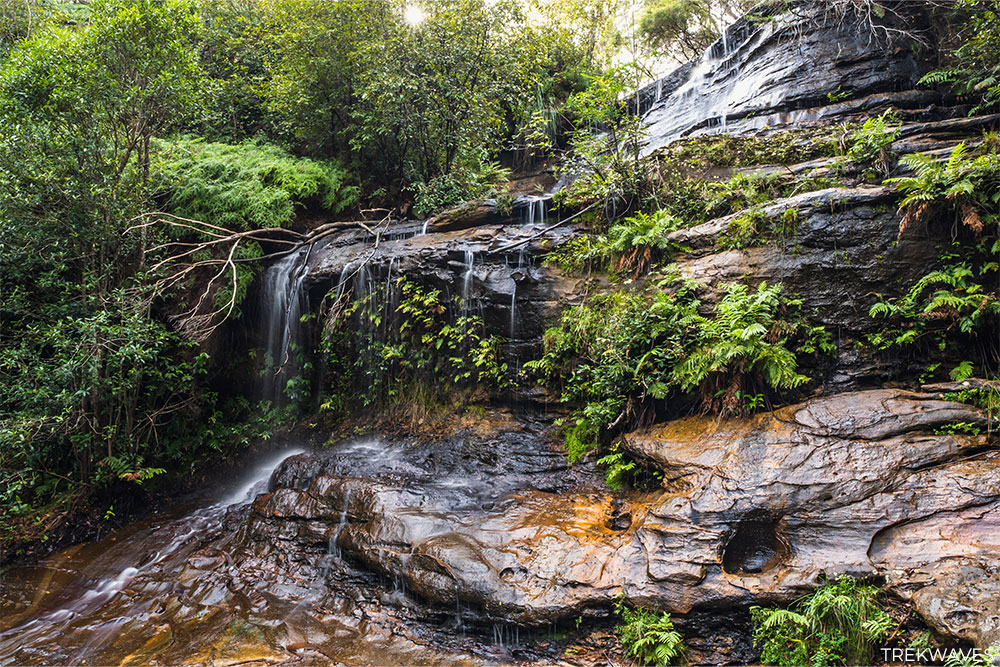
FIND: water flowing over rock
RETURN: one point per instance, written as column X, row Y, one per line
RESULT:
column 752, row 511
column 490, row 271
column 283, row 303
column 780, row 68
column 394, row 549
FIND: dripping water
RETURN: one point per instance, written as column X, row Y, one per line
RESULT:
column 334, row 548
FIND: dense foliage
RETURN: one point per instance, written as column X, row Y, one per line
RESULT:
column 93, row 384
column 100, row 111
column 957, row 300
column 685, row 28
column 838, row 624
column 247, row 185
column 624, row 353
column 974, row 67
column 394, row 342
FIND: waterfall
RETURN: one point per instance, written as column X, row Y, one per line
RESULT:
column 342, row 282
column 423, row 229
column 534, row 211
column 714, row 86
column 283, row 303
column 467, row 275
column 513, row 309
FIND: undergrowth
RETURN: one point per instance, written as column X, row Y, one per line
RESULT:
column 623, row 356
column 838, row 624
column 647, row 636
column 245, row 186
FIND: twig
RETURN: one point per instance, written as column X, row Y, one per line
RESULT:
column 541, row 233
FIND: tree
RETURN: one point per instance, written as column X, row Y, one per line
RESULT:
column 440, row 90
column 313, row 65
column 683, row 29
column 93, row 380
column 409, row 102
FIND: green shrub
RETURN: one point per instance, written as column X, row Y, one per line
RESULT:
column 622, row 351
column 743, row 231
column 619, row 468
column 647, row 636
column 462, row 184
column 936, row 304
column 583, row 253
column 246, row 186
column 985, row 396
column 871, row 144
column 840, row 623
column 580, row 439
column 746, row 337
column 381, row 353
column 965, row 183
column 741, row 191
column 639, row 241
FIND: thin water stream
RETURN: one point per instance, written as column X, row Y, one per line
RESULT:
column 75, row 603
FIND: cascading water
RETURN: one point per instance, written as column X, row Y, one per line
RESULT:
column 283, row 303
column 467, row 276
column 161, row 545
column 713, row 88
column 534, row 211
column 334, row 548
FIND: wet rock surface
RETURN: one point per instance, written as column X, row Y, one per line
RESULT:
column 233, row 584
column 752, row 511
column 780, row 72
column 494, row 267
column 467, row 549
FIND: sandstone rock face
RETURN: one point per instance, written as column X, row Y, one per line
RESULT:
column 752, row 511
column 383, row 549
column 780, row 71
column 486, row 266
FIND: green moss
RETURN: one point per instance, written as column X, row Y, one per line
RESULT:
column 791, row 147
column 580, row 439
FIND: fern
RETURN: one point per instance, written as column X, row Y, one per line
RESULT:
column 641, row 240
column 938, row 302
column 839, row 623
column 967, row 184
column 246, row 185
column 648, row 637
column 976, row 68
column 871, row 144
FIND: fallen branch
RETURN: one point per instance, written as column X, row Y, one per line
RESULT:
column 541, row 233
